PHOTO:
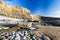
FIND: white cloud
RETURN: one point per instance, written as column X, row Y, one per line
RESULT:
column 58, row 12
column 38, row 11
column 54, row 9
column 8, row 2
column 55, row 14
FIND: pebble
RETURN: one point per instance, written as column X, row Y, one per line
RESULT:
column 20, row 35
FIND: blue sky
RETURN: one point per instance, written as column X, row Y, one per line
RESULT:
column 38, row 7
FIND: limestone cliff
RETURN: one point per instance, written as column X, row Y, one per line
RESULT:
column 14, row 12
column 35, row 17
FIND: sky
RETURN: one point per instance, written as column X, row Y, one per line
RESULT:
column 49, row 8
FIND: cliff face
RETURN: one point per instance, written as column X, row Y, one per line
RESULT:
column 35, row 17
column 14, row 12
